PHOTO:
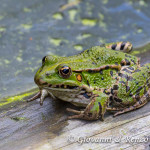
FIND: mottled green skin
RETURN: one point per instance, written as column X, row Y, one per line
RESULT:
column 117, row 89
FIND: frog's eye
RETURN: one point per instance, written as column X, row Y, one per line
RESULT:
column 43, row 60
column 65, row 71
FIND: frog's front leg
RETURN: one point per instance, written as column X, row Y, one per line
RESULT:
column 94, row 110
column 120, row 46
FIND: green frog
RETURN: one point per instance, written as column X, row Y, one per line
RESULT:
column 102, row 78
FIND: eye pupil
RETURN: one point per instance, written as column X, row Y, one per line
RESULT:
column 65, row 71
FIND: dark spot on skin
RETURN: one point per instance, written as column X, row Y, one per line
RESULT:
column 147, row 95
column 137, row 70
column 106, row 92
column 123, row 63
column 57, row 86
column 62, row 86
column 102, row 78
column 122, row 45
column 122, row 82
column 115, row 87
column 100, row 108
column 147, row 80
column 123, row 75
column 50, row 85
column 111, row 73
column 118, row 100
column 139, row 88
column 47, row 74
column 110, row 98
column 130, row 78
column 112, row 91
column 101, row 72
column 127, row 55
column 113, row 47
column 133, row 61
column 91, row 71
column 127, row 61
column 136, row 82
column 88, row 83
column 107, row 67
column 145, row 91
column 72, row 87
column 137, row 97
column 143, row 75
column 140, row 102
column 93, row 63
column 127, row 89
column 86, row 96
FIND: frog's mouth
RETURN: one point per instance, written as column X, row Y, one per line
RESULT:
column 64, row 92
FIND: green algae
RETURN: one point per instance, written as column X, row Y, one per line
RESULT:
column 72, row 14
column 26, row 26
column 27, row 10
column 57, row 16
column 84, row 36
column 19, row 118
column 89, row 22
column 20, row 97
column 2, row 29
column 55, row 41
column 78, row 47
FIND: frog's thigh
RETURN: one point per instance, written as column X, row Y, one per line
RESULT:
column 120, row 46
column 138, row 104
column 95, row 109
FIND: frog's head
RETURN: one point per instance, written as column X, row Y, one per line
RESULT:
column 58, row 77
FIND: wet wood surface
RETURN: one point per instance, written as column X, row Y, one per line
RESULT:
column 29, row 126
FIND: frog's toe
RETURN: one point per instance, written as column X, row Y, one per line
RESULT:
column 80, row 116
column 34, row 97
column 74, row 111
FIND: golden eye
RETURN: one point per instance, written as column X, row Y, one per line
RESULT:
column 65, row 72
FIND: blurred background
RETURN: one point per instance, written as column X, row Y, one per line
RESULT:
column 29, row 30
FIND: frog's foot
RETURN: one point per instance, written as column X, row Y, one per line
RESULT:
column 82, row 115
column 137, row 105
column 41, row 94
column 120, row 46
column 78, row 116
column 95, row 109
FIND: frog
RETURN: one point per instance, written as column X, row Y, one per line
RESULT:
column 104, row 78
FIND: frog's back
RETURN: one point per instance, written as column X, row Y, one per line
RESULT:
column 97, row 56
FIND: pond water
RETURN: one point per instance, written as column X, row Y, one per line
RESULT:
column 30, row 30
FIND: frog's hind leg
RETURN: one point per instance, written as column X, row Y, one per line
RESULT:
column 94, row 110
column 137, row 105
column 125, row 47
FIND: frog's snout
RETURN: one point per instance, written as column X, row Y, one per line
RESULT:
column 39, row 81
